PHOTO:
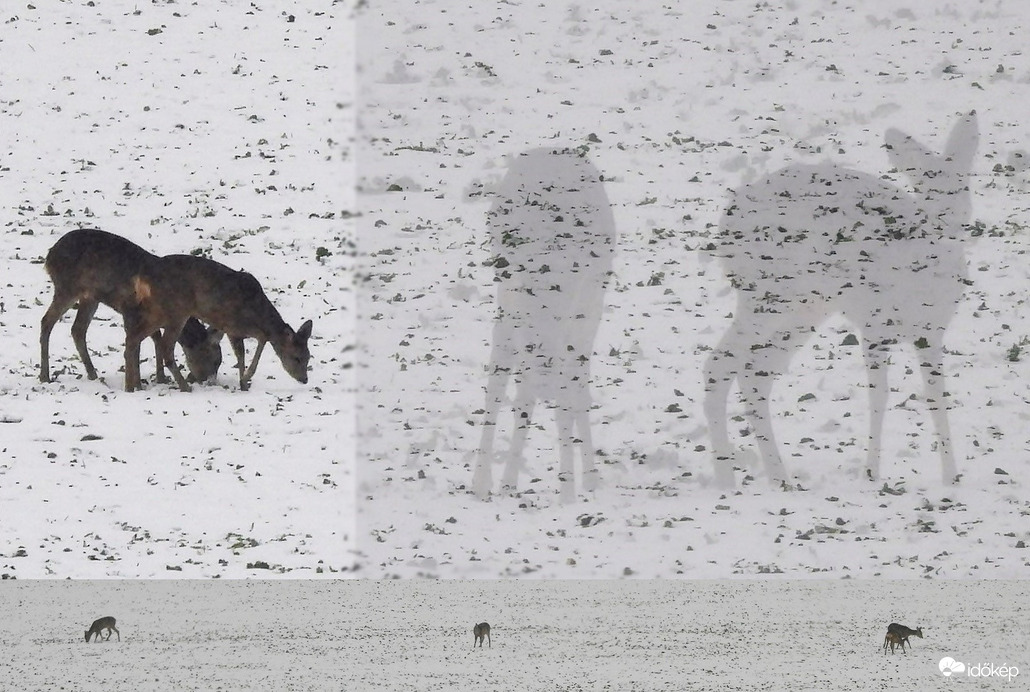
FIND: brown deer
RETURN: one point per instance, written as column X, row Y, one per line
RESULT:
column 903, row 633
column 88, row 267
column 810, row 241
column 893, row 639
column 105, row 623
column 479, row 632
column 172, row 288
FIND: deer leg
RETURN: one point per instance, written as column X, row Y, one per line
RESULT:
column 876, row 370
column 591, row 475
column 482, row 478
column 759, row 388
column 240, row 350
column 165, row 346
column 502, row 356
column 83, row 316
column 933, row 376
column 525, row 403
column 581, row 428
column 563, row 418
column 720, row 371
column 249, row 375
column 135, row 332
column 756, row 388
column 59, row 306
column 572, row 417
column 160, row 377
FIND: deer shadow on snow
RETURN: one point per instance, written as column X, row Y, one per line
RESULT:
column 552, row 239
column 811, row 241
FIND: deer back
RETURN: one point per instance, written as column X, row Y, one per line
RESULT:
column 97, row 265
column 102, row 623
column 232, row 301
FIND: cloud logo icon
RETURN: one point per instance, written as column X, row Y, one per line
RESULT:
column 948, row 665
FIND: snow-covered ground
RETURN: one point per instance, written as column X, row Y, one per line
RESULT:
column 222, row 128
column 676, row 105
column 561, row 635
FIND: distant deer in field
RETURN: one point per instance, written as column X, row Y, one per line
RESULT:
column 552, row 237
column 478, row 632
column 810, row 241
column 903, row 633
column 106, row 623
column 172, row 288
column 88, row 267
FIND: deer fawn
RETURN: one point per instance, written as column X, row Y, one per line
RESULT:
column 172, row 288
column 810, row 241
column 202, row 347
column 903, row 633
column 552, row 236
column 893, row 639
column 102, row 624
column 89, row 266
column 478, row 632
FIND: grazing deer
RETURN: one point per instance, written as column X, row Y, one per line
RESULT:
column 903, row 633
column 172, row 288
column 810, row 241
column 893, row 639
column 552, row 236
column 88, row 267
column 202, row 347
column 106, row 623
column 478, row 632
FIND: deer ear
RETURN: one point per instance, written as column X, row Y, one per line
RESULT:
column 304, row 333
column 963, row 142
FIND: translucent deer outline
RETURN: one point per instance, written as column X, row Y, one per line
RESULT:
column 552, row 236
column 810, row 241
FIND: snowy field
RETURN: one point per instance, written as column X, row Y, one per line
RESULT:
column 216, row 128
column 562, row 635
column 675, row 108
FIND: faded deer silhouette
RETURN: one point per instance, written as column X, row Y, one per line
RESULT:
column 810, row 241
column 552, row 236
column 105, row 623
column 87, row 267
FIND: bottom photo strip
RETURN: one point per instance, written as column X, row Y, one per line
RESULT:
column 513, row 635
